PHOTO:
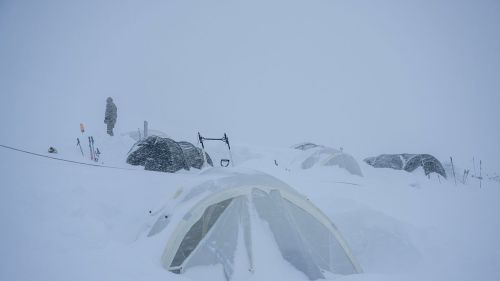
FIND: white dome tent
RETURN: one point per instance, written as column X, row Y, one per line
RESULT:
column 312, row 154
column 345, row 161
column 227, row 220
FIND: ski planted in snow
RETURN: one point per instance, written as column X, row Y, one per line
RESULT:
column 78, row 144
column 90, row 150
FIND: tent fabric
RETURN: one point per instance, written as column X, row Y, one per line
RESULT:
column 193, row 155
column 166, row 155
column 393, row 161
column 408, row 162
column 225, row 210
column 344, row 161
column 158, row 154
column 318, row 155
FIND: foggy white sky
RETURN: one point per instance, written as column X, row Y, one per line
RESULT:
column 387, row 76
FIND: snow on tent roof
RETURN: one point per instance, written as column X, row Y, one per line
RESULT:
column 326, row 156
column 230, row 212
column 407, row 162
column 345, row 161
column 166, row 155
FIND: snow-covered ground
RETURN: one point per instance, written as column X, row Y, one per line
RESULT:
column 63, row 221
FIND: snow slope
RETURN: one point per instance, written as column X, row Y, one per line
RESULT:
column 63, row 221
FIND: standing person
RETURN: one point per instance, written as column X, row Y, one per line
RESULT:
column 110, row 115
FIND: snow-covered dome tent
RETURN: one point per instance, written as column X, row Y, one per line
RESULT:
column 166, row 155
column 236, row 219
column 408, row 162
column 313, row 154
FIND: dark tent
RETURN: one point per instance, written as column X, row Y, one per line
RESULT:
column 165, row 155
column 193, row 155
column 407, row 162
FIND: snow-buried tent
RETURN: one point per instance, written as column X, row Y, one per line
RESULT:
column 313, row 154
column 235, row 219
column 408, row 162
column 166, row 155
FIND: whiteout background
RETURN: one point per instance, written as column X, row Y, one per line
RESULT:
column 370, row 76
column 373, row 76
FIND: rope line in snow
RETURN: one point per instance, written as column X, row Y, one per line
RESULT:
column 65, row 160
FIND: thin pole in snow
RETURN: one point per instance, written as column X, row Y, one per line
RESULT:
column 90, row 150
column 200, row 140
column 480, row 174
column 474, row 164
column 78, row 144
column 453, row 169
column 229, row 149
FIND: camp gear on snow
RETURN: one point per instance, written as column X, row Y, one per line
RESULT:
column 224, row 162
column 224, row 139
column 79, row 145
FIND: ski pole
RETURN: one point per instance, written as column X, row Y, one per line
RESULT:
column 93, row 148
column 90, row 149
column 453, row 169
column 78, row 144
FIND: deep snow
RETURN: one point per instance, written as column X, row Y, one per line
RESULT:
column 65, row 221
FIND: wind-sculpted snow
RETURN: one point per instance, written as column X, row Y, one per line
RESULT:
column 407, row 162
column 166, row 155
